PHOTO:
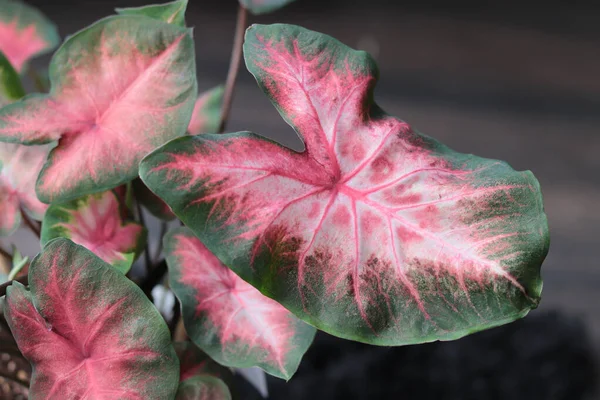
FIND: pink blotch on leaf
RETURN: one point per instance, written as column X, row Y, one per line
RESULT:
column 97, row 226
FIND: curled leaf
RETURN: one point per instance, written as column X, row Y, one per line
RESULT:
column 24, row 33
column 227, row 318
column 172, row 13
column 207, row 112
column 120, row 88
column 374, row 232
column 19, row 168
column 88, row 331
column 263, row 6
column 95, row 223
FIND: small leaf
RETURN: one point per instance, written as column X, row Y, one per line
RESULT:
column 120, row 88
column 95, row 223
column 207, row 112
column 227, row 318
column 18, row 263
column 10, row 82
column 193, row 362
column 19, row 168
column 24, row 33
column 88, row 331
column 172, row 13
column 203, row 388
column 263, row 6
column 375, row 232
column 152, row 202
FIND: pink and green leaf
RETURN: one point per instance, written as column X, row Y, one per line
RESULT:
column 374, row 232
column 24, row 33
column 172, row 13
column 88, row 331
column 263, row 6
column 120, row 88
column 19, row 168
column 229, row 319
column 207, row 112
column 203, row 388
column 10, row 83
column 95, row 222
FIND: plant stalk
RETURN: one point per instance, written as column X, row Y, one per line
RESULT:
column 142, row 221
column 234, row 65
column 30, row 224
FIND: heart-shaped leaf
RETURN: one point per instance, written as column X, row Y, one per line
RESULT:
column 207, row 112
column 88, row 331
column 120, row 88
column 227, row 318
column 19, row 168
column 375, row 232
column 24, row 33
column 10, row 82
column 95, row 223
column 172, row 13
column 263, row 6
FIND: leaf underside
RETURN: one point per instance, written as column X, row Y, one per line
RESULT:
column 375, row 232
column 227, row 318
column 95, row 222
column 119, row 89
column 88, row 331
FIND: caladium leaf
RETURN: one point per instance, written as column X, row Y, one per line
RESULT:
column 172, row 13
column 19, row 168
column 375, row 232
column 263, row 6
column 24, row 33
column 207, row 112
column 120, row 88
column 226, row 317
column 194, row 362
column 10, row 82
column 95, row 222
column 88, row 331
column 203, row 388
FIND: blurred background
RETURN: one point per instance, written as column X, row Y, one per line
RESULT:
column 506, row 80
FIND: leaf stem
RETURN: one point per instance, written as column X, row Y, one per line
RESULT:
column 34, row 227
column 234, row 65
column 23, row 280
column 140, row 215
column 161, row 235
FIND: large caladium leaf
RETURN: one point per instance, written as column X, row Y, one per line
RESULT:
column 24, row 33
column 19, row 168
column 207, row 112
column 95, row 223
column 263, row 6
column 229, row 319
column 172, row 13
column 199, row 376
column 375, row 232
column 88, row 331
column 120, row 88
